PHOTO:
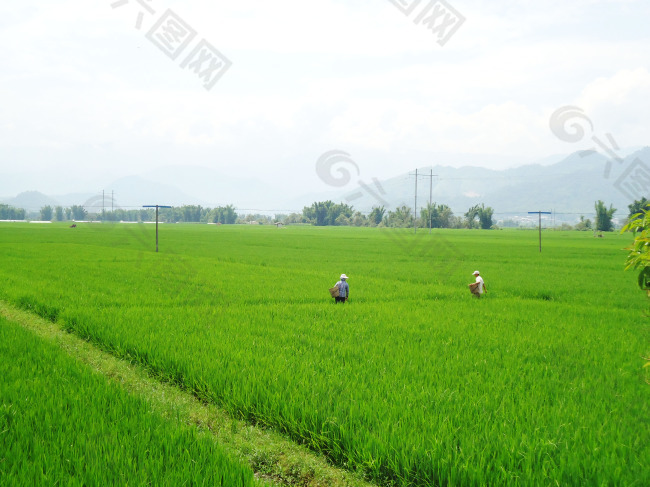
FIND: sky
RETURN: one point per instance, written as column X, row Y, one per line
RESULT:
column 97, row 90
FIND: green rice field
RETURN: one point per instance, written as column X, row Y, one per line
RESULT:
column 62, row 425
column 412, row 382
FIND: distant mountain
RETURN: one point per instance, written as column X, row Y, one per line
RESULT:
column 136, row 191
column 31, row 201
column 217, row 189
column 128, row 192
column 570, row 186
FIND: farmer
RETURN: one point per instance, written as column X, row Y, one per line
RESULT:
column 480, row 287
column 344, row 289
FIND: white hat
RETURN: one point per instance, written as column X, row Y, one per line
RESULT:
column 476, row 272
column 343, row 276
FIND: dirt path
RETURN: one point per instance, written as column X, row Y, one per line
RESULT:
column 271, row 456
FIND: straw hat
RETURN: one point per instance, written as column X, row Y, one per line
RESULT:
column 476, row 273
column 343, row 276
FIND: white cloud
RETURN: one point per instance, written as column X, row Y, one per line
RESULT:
column 314, row 76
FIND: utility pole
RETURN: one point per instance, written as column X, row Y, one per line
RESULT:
column 415, row 213
column 431, row 175
column 156, row 207
column 112, row 200
column 103, row 211
column 540, row 213
column 430, row 196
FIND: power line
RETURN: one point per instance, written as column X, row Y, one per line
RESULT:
column 415, row 212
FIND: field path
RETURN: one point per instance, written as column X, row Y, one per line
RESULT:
column 272, row 457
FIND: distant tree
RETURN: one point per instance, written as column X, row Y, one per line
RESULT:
column 342, row 220
column 294, row 218
column 470, row 217
column 168, row 215
column 457, row 222
column 341, row 210
column 78, row 212
column 58, row 213
column 140, row 215
column 185, row 213
column 377, row 215
column 145, row 215
column 479, row 217
column 257, row 218
column 8, row 212
column 359, row 219
column 68, row 213
column 583, row 225
column 436, row 215
column 46, row 213
column 401, row 217
column 604, row 217
column 316, row 214
column 322, row 213
column 485, row 217
column 637, row 207
column 223, row 214
column 191, row 213
column 280, row 217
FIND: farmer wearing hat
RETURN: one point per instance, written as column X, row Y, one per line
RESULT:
column 478, row 287
column 344, row 289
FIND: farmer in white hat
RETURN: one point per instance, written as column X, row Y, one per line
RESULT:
column 479, row 286
column 344, row 289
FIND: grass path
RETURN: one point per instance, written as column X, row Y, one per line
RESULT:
column 271, row 456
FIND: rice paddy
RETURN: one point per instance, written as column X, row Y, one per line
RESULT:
column 412, row 382
column 62, row 425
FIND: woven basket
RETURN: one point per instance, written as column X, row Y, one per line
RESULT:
column 334, row 291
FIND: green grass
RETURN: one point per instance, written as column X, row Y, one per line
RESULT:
column 413, row 381
column 60, row 424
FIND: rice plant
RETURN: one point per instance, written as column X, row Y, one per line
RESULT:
column 413, row 381
column 60, row 424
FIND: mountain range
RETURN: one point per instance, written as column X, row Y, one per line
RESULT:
column 569, row 186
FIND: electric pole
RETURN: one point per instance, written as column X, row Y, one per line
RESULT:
column 415, row 213
column 540, row 213
column 431, row 175
column 156, row 207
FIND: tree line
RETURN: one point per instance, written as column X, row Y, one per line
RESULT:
column 320, row 213
column 433, row 215
column 604, row 216
column 10, row 213
column 177, row 214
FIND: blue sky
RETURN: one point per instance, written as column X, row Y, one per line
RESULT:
column 87, row 93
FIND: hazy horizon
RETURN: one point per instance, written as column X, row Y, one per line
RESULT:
column 94, row 92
